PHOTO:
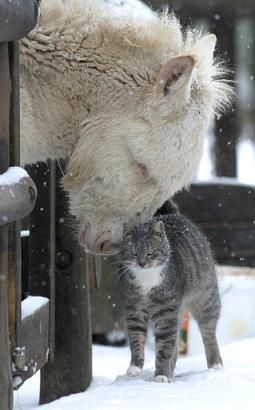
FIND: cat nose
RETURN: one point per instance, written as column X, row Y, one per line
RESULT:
column 142, row 262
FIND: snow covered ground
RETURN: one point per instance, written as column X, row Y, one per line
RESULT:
column 193, row 388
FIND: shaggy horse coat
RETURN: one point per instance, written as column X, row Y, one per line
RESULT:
column 126, row 102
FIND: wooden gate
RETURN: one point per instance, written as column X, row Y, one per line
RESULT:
column 50, row 328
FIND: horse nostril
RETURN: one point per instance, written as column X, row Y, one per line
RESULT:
column 105, row 246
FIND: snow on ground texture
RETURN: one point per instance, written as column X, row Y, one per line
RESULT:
column 194, row 387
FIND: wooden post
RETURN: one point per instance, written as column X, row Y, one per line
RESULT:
column 17, row 18
column 226, row 126
column 5, row 356
column 41, row 272
column 71, row 370
column 14, row 240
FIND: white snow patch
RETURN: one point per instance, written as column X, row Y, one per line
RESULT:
column 206, row 167
column 12, row 176
column 194, row 387
column 246, row 161
column 115, row 336
column 31, row 304
column 25, row 233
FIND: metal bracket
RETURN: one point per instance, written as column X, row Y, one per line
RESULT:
column 19, row 359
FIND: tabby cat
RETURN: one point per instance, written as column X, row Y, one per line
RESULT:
column 166, row 265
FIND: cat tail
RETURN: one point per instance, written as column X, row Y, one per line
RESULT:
column 168, row 207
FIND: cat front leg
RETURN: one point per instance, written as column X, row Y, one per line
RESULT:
column 166, row 332
column 137, row 328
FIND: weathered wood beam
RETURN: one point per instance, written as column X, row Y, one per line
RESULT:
column 226, row 215
column 17, row 18
column 41, row 275
column 71, row 370
column 227, row 126
column 14, row 240
column 17, row 200
column 5, row 356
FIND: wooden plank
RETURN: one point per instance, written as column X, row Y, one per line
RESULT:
column 41, row 277
column 14, row 286
column 219, row 202
column 14, row 241
column 227, row 128
column 71, row 370
column 5, row 357
column 226, row 214
column 39, row 240
column 17, row 18
column 35, row 338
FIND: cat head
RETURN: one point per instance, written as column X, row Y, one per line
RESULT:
column 145, row 246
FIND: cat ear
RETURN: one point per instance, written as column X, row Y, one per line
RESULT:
column 175, row 76
column 158, row 228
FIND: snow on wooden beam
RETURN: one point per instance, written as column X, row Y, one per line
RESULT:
column 17, row 195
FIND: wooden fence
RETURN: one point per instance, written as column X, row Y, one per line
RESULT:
column 54, row 335
column 12, row 26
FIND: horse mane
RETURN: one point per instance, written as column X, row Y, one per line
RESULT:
column 73, row 28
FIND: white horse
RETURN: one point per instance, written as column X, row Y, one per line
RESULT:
column 126, row 102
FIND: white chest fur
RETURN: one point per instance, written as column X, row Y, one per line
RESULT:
column 148, row 278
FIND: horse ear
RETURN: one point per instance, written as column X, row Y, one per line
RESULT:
column 175, row 75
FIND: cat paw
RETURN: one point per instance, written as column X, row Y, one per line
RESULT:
column 217, row 366
column 133, row 371
column 161, row 379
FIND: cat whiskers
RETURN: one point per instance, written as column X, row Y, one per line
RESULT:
column 124, row 273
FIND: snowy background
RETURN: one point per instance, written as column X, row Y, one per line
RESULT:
column 193, row 387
